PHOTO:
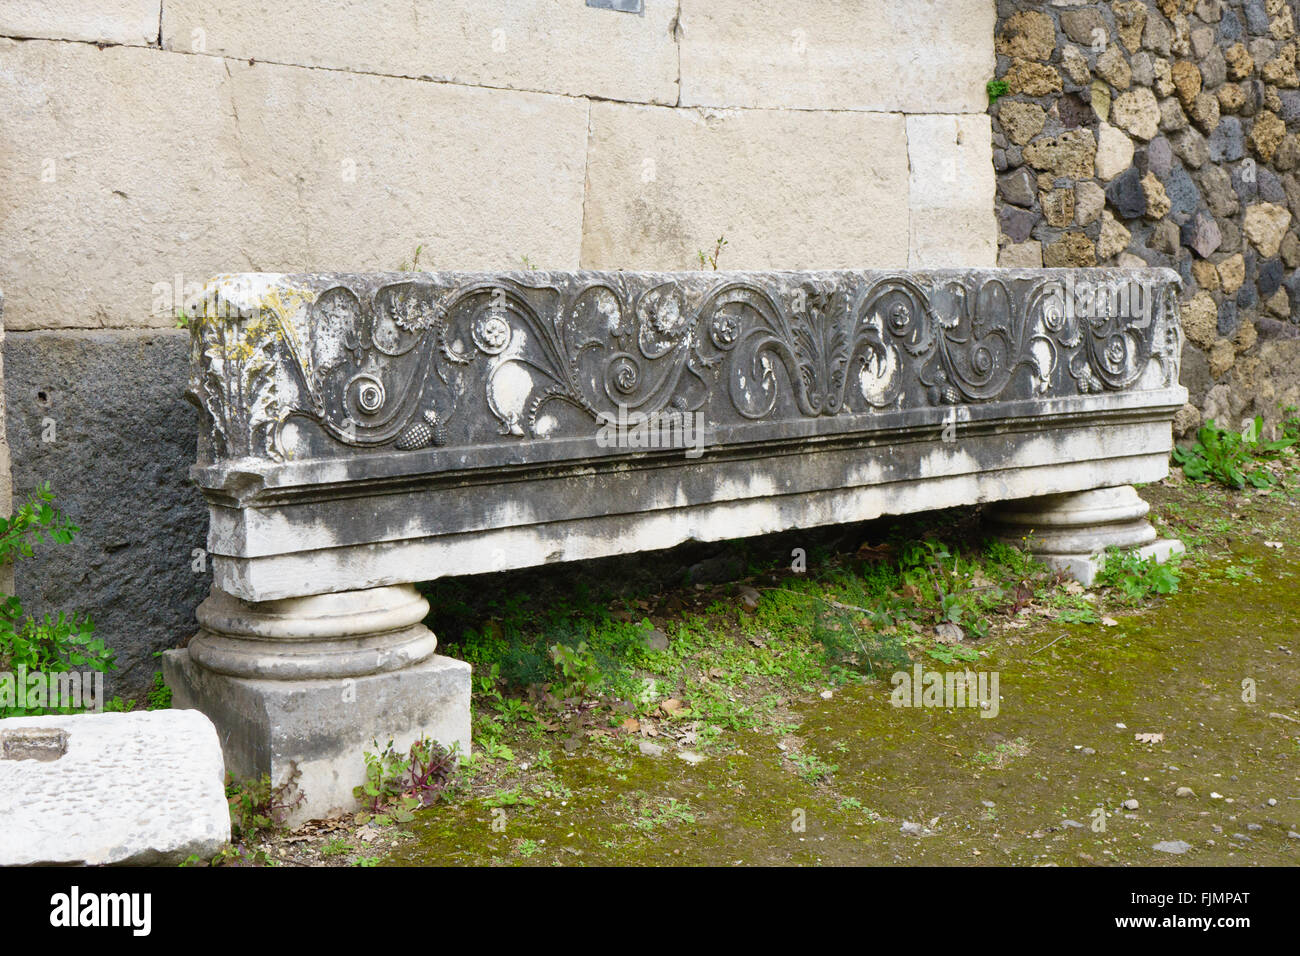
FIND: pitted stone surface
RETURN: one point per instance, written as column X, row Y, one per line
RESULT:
column 1217, row 82
column 113, row 401
column 140, row 788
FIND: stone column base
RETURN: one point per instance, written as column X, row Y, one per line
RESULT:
column 1071, row 532
column 324, row 727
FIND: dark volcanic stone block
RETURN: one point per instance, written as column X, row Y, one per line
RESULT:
column 1126, row 195
column 1270, row 277
column 1074, row 111
column 1227, row 317
column 124, row 439
column 1270, row 186
column 1256, row 17
column 1184, row 197
column 1229, row 27
column 1246, row 184
column 1290, row 105
column 1227, row 143
column 1017, row 223
column 1019, row 188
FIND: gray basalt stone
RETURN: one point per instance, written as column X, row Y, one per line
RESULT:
column 1270, row 277
column 123, row 442
column 1270, row 186
column 1017, row 224
column 1201, row 234
column 1019, row 188
column 1229, row 27
column 1246, row 185
column 1126, row 194
column 1227, row 323
column 1290, row 106
column 1257, row 21
column 1184, row 197
column 1227, row 143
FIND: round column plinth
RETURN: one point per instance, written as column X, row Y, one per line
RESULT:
column 346, row 634
column 1082, row 522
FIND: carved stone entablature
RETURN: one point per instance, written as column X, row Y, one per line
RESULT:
column 293, row 368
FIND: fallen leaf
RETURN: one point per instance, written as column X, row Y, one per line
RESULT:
column 672, row 707
column 1108, row 622
column 631, row 725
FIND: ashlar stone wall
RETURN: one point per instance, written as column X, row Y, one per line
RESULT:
column 1164, row 132
column 151, row 144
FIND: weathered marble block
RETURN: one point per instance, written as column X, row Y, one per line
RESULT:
column 363, row 432
column 138, row 788
column 367, row 430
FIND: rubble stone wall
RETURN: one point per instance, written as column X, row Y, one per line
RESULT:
column 1165, row 132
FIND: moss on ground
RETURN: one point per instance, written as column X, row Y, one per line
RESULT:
column 749, row 721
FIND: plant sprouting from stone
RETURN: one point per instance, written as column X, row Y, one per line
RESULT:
column 397, row 784
column 711, row 261
column 257, row 808
column 414, row 264
column 1138, row 578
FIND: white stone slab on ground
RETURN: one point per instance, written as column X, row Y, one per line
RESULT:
column 140, row 788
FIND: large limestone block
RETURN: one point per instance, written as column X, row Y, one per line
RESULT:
column 952, row 190
column 789, row 190
column 129, row 167
column 921, row 56
column 316, row 733
column 145, row 788
column 133, row 22
column 554, row 46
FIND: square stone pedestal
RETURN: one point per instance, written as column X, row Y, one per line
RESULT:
column 324, row 727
